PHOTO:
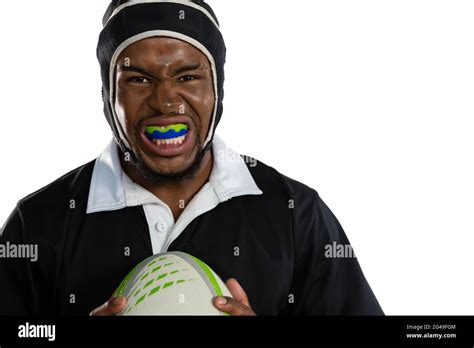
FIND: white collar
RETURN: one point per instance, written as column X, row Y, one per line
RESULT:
column 111, row 189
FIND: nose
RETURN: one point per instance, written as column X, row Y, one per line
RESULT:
column 164, row 99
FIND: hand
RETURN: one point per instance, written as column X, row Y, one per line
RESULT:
column 112, row 307
column 239, row 305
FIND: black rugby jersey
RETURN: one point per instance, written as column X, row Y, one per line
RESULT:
column 282, row 237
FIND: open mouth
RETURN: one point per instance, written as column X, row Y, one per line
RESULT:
column 174, row 134
column 168, row 140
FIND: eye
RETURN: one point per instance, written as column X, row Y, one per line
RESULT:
column 188, row 78
column 138, row 79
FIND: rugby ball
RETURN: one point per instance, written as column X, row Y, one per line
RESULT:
column 173, row 283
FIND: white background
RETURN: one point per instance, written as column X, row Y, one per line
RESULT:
column 380, row 94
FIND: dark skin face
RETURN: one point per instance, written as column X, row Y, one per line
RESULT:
column 160, row 80
column 166, row 79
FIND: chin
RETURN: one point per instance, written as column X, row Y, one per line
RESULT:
column 170, row 165
column 169, row 169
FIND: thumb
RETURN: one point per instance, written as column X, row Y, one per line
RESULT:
column 237, row 291
column 113, row 306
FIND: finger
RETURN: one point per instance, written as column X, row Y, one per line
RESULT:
column 113, row 306
column 232, row 306
column 237, row 291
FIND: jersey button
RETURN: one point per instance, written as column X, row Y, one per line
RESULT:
column 161, row 227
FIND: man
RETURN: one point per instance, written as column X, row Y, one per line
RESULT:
column 168, row 183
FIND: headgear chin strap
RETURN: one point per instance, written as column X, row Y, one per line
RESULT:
column 126, row 22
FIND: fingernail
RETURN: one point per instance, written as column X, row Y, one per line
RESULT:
column 221, row 300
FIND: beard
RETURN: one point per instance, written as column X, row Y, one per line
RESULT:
column 156, row 177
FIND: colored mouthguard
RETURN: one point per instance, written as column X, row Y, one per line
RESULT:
column 169, row 132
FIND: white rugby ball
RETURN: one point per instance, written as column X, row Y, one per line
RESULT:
column 173, row 283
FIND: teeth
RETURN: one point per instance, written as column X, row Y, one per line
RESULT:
column 175, row 141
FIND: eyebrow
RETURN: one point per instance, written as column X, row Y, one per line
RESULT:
column 134, row 68
column 185, row 68
column 189, row 67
